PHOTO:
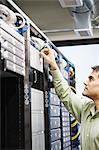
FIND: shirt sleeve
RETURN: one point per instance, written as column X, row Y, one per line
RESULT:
column 71, row 101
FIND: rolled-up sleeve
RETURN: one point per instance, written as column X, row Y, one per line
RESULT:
column 71, row 101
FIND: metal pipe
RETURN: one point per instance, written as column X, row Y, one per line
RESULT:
column 63, row 30
column 58, row 30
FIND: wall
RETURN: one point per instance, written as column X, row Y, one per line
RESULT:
column 83, row 57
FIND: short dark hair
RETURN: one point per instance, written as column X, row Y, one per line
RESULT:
column 95, row 68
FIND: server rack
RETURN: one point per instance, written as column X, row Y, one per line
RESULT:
column 12, row 103
column 57, row 124
column 12, row 72
column 53, row 121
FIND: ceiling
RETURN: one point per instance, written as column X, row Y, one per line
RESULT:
column 56, row 22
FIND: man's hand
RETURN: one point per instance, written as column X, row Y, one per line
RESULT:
column 48, row 55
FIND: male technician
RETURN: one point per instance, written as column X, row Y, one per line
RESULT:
column 86, row 111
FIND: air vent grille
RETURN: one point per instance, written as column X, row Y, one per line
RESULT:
column 84, row 32
column 70, row 3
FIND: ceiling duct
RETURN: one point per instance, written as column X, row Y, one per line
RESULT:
column 82, row 18
column 95, row 17
column 71, row 3
column 83, row 24
column 85, row 13
column 96, row 5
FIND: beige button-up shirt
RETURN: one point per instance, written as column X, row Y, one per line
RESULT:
column 82, row 109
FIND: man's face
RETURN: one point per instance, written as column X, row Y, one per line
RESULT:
column 91, row 89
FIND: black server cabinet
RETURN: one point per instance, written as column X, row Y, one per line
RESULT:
column 11, row 109
column 57, row 118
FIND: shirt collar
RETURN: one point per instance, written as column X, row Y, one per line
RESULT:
column 93, row 111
